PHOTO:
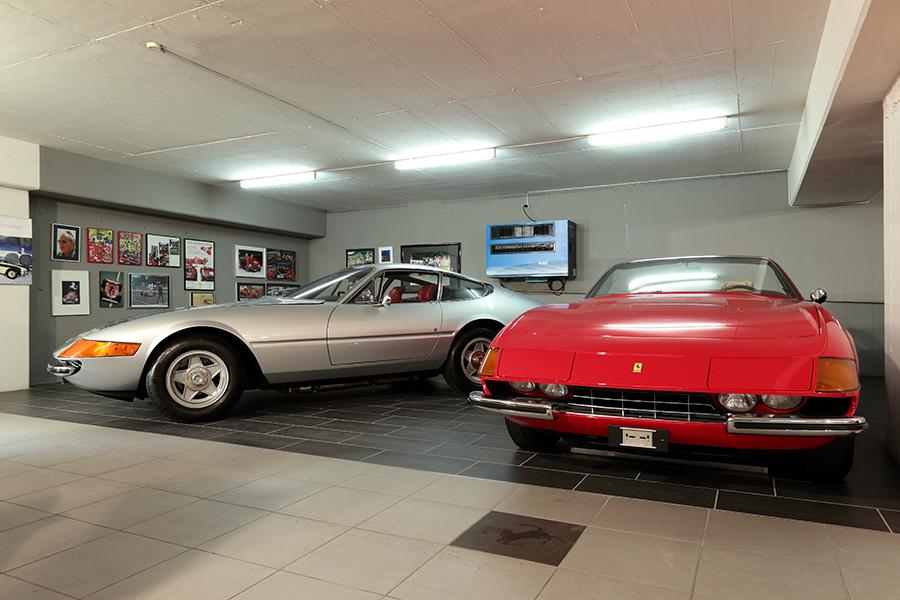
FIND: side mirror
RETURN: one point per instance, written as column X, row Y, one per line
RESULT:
column 818, row 295
column 386, row 301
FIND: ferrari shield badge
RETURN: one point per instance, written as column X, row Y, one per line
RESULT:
column 637, row 368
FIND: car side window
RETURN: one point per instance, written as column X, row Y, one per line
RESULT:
column 457, row 288
column 370, row 293
column 410, row 287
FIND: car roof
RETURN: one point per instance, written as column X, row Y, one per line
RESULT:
column 407, row 266
column 701, row 256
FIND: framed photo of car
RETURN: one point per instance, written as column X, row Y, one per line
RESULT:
column 66, row 243
column 70, row 293
column 202, row 299
column 199, row 265
column 385, row 254
column 250, row 291
column 130, row 248
column 280, row 289
column 100, row 245
column 360, row 256
column 148, row 291
column 281, row 264
column 16, row 256
column 163, row 251
column 112, row 289
column 443, row 256
column 249, row 261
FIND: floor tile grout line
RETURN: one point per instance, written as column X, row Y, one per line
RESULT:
column 43, row 587
column 886, row 524
column 716, row 501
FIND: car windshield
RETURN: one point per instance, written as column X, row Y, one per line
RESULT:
column 713, row 274
column 332, row 287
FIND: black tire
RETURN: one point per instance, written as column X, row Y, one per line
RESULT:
column 11, row 273
column 453, row 370
column 533, row 440
column 831, row 462
column 157, row 388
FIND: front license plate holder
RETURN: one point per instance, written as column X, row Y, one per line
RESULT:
column 638, row 437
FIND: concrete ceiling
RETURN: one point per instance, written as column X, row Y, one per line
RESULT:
column 381, row 79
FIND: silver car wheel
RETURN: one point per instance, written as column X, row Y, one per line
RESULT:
column 471, row 357
column 197, row 379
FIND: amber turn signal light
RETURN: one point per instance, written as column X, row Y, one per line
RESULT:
column 488, row 366
column 95, row 349
column 837, row 375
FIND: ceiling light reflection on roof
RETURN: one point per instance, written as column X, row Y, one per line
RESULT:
column 664, row 326
column 441, row 160
column 278, row 180
column 641, row 283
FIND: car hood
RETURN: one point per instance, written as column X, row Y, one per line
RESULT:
column 667, row 341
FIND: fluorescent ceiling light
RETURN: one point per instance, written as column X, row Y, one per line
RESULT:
column 441, row 160
column 278, row 180
column 643, row 135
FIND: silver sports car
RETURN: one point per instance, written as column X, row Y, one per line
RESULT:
column 363, row 322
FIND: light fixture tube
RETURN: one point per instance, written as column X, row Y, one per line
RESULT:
column 643, row 135
column 441, row 160
column 278, row 180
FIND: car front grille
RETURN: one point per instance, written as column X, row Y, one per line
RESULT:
column 642, row 404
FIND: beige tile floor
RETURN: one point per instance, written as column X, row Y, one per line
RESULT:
column 89, row 512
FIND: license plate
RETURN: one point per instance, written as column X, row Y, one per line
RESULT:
column 633, row 437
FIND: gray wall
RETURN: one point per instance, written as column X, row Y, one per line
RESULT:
column 838, row 248
column 84, row 178
column 48, row 332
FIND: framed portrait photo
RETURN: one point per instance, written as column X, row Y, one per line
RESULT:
column 70, row 293
column 360, row 256
column 163, row 251
column 202, row 299
column 443, row 256
column 385, row 254
column 112, row 289
column 249, row 261
column 130, row 248
column 199, row 265
column 250, row 291
column 148, row 291
column 100, row 245
column 66, row 243
column 281, row 264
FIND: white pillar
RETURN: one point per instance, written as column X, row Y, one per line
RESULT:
column 19, row 173
column 892, row 266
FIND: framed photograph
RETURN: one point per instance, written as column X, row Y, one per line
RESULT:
column 148, row 291
column 163, row 251
column 360, row 256
column 281, row 264
column 199, row 265
column 385, row 254
column 66, row 243
column 70, row 293
column 130, row 248
column 249, row 261
column 202, row 299
column 99, row 245
column 280, row 289
column 112, row 289
column 250, row 291
column 16, row 256
column 443, row 256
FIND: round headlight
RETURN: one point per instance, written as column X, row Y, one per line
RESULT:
column 739, row 403
column 555, row 390
column 522, row 386
column 782, row 402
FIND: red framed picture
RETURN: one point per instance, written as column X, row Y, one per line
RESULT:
column 130, row 248
column 99, row 245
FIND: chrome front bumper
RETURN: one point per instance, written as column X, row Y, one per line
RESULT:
column 63, row 369
column 762, row 425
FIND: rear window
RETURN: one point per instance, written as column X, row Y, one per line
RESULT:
column 457, row 288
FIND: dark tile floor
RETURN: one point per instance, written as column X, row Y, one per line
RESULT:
column 422, row 425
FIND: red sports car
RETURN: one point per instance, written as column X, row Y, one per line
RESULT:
column 713, row 351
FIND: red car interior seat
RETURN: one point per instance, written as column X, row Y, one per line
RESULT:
column 396, row 295
column 427, row 292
